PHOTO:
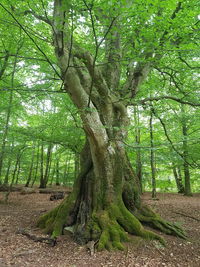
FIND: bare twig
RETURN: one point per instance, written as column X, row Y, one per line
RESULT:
column 47, row 240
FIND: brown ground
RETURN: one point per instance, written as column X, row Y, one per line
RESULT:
column 23, row 210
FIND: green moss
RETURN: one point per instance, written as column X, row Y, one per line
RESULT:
column 118, row 245
column 124, row 236
column 114, row 233
column 41, row 222
column 104, row 239
column 54, row 221
column 94, row 229
column 109, row 246
column 129, row 222
column 111, row 225
column 147, row 215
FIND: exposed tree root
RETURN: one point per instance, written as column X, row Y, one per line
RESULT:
column 54, row 221
column 115, row 224
column 148, row 216
column 110, row 226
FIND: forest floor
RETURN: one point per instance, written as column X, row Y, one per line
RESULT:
column 22, row 211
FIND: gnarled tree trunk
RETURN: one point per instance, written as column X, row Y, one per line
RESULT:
column 105, row 202
column 178, row 180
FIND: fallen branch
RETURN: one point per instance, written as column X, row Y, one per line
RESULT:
column 47, row 240
column 188, row 216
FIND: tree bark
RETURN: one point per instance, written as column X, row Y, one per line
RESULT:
column 6, row 179
column 37, row 164
column 18, row 173
column 186, row 169
column 57, row 173
column 31, row 169
column 9, row 111
column 178, row 180
column 152, row 157
column 17, row 164
column 66, row 170
column 53, row 173
column 45, row 176
column 138, row 151
column 76, row 164
column 5, row 133
column 42, row 182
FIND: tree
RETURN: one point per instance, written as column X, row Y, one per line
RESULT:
column 103, row 78
column 152, row 156
column 187, row 190
column 137, row 141
column 178, row 179
column 105, row 202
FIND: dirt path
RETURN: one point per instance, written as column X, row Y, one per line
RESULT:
column 23, row 210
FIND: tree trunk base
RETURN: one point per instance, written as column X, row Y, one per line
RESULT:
column 105, row 211
column 110, row 227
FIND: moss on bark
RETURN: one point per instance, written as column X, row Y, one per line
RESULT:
column 106, row 208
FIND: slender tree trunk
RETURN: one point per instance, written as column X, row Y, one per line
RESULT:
column 178, row 180
column 17, row 165
column 76, row 164
column 42, row 182
column 138, row 151
column 18, row 173
column 57, row 173
column 37, row 165
column 31, row 169
column 6, row 129
column 48, row 160
column 186, row 170
column 69, row 176
column 6, row 179
column 53, row 173
column 15, row 170
column 49, row 167
column 179, row 172
column 5, row 133
column 152, row 158
column 65, row 172
column 2, row 152
column 11, row 183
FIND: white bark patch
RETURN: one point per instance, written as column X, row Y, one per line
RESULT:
column 111, row 150
column 96, row 126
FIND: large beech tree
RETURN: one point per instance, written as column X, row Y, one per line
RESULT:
column 105, row 51
column 105, row 203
